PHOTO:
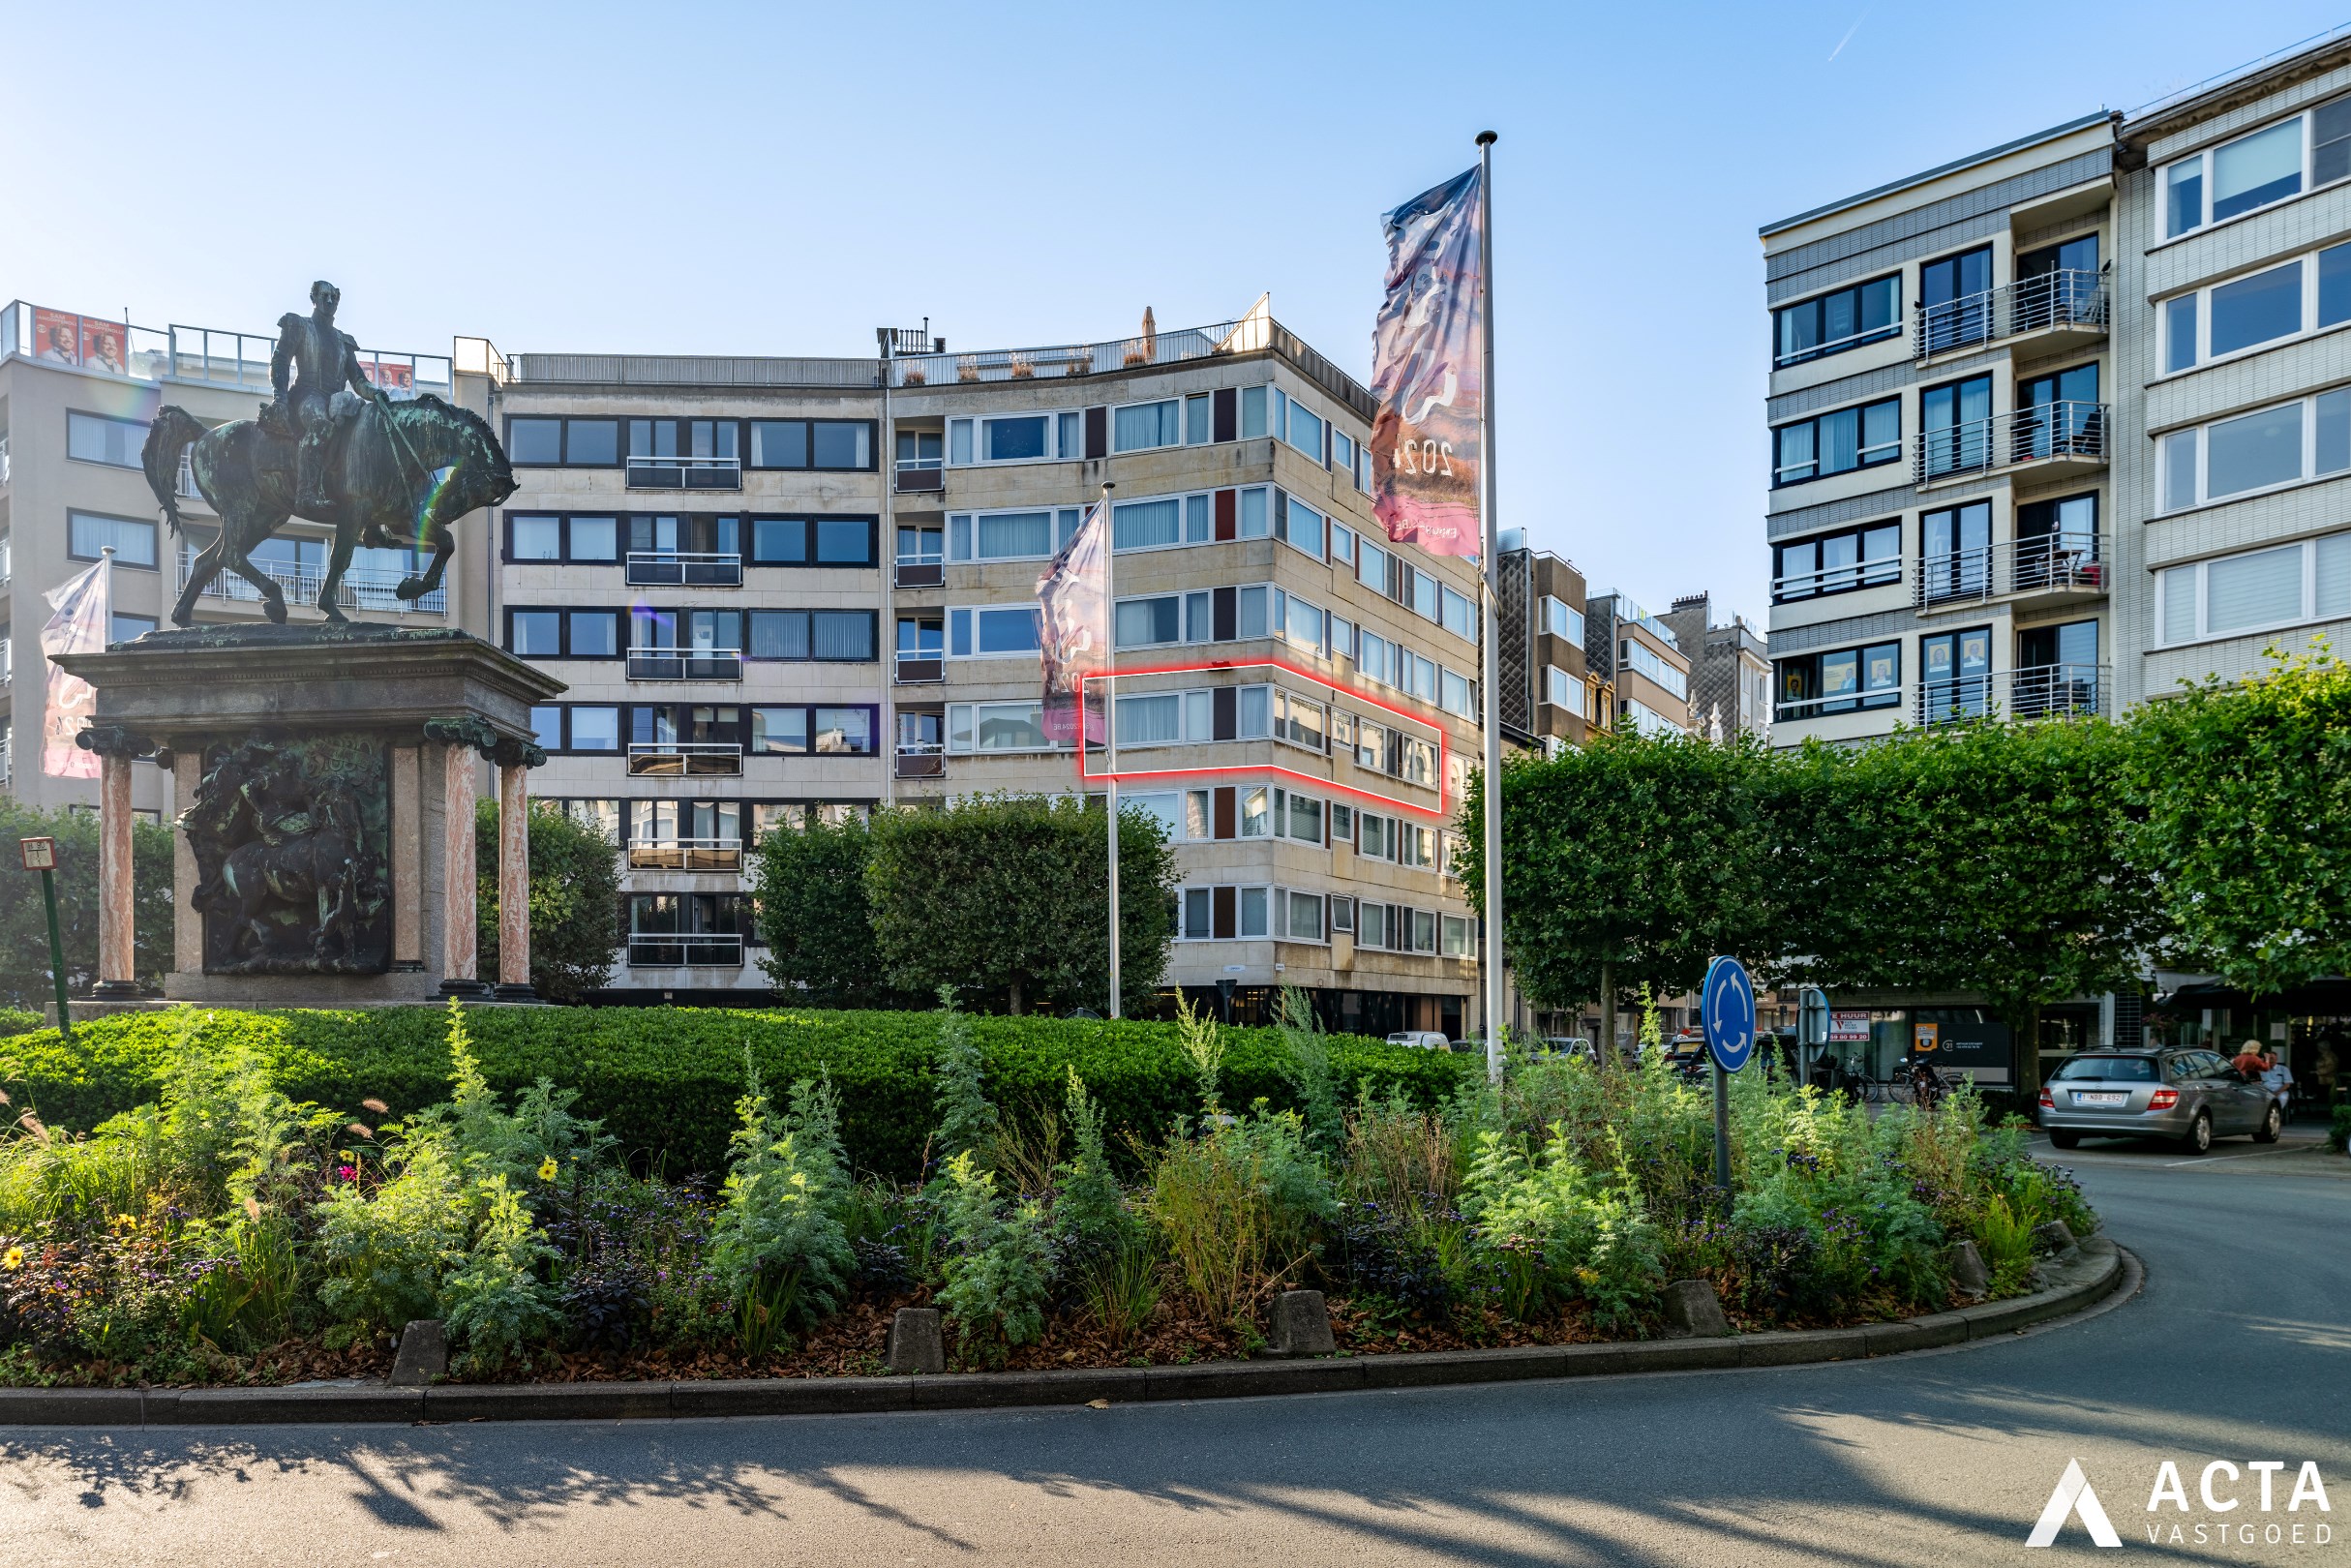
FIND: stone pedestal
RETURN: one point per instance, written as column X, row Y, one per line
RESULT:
column 326, row 776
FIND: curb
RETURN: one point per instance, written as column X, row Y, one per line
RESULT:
column 2084, row 1283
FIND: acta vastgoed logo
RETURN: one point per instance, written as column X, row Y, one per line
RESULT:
column 2075, row 1498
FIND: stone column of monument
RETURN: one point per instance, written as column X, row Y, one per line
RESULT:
column 458, row 970
column 514, row 761
column 117, row 962
column 408, row 859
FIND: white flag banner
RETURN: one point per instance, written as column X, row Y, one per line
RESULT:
column 77, row 625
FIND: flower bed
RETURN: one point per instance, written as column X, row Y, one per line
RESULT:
column 226, row 1233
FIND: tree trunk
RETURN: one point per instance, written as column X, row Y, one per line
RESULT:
column 2026, row 1033
column 1608, row 1013
column 1015, row 1002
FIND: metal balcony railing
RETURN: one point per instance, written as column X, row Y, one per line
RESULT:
column 920, row 759
column 682, row 568
column 920, row 573
column 685, row 664
column 2048, row 563
column 1795, row 586
column 686, row 950
column 360, row 589
column 920, row 668
column 2069, row 432
column 2035, row 304
column 920, row 476
column 684, row 474
column 2035, row 692
column 688, row 758
column 685, row 854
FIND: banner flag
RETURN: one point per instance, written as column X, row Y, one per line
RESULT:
column 1426, row 372
column 1073, row 628
column 77, row 625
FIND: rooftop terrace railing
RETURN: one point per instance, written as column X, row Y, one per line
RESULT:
column 189, row 354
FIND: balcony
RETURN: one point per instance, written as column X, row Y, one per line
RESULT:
column 2064, row 310
column 920, row 669
column 920, row 574
column 2052, row 566
column 684, row 474
column 2036, row 692
column 920, row 762
column 359, row 589
column 677, row 568
column 2062, row 439
column 685, row 854
column 683, row 759
column 686, row 950
column 922, row 476
column 685, row 664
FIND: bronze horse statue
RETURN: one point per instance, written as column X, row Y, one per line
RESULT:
column 385, row 479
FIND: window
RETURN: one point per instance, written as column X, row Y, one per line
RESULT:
column 1031, row 535
column 132, row 540
column 587, row 541
column 1033, row 438
column 1866, row 557
column 982, row 727
column 1254, row 410
column 536, row 633
column 992, row 631
column 1303, row 918
column 2280, row 302
column 603, row 816
column 578, row 443
column 1563, row 620
column 840, row 636
column 2256, row 590
column 1956, row 300
column 1458, row 613
column 1342, row 544
column 1837, row 443
column 1955, row 675
column 1457, row 937
column 1200, row 419
column 1457, row 694
column 1298, row 524
column 1638, row 656
column 812, row 443
column 128, row 628
column 94, row 438
column 1813, row 684
column 1833, row 322
column 2308, row 438
column 1302, row 625
column 1156, row 719
column 1298, row 720
column 1304, row 430
column 577, row 727
column 1955, row 427
column 814, row 541
column 1149, row 623
column 1372, row 570
column 2254, row 171
column 1956, row 552
column 1140, row 425
column 1562, row 690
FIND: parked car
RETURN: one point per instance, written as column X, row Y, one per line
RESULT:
column 1565, row 1046
column 2193, row 1095
column 1421, row 1040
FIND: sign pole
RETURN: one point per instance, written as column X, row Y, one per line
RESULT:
column 48, row 896
column 1722, row 1136
column 1110, row 724
column 1726, row 1006
column 1492, row 544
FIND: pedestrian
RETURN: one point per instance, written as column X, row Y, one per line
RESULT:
column 2248, row 1060
column 2279, row 1080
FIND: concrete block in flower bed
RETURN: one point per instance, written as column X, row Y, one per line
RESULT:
column 917, row 1343
column 1693, row 1310
column 1301, row 1327
column 1965, row 1265
column 423, row 1355
column 2057, row 1240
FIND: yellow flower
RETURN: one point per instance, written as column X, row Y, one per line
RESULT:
column 547, row 1168
column 15, row 1260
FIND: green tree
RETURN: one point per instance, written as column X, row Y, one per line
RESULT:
column 1631, row 861
column 24, row 932
column 1007, row 899
column 575, row 901
column 2243, row 795
column 813, row 913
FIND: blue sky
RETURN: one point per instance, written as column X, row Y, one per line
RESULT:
column 769, row 179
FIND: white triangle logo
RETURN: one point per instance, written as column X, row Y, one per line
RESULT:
column 2073, row 1496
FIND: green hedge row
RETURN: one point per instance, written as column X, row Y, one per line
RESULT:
column 665, row 1080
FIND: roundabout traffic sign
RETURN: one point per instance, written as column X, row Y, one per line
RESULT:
column 1727, row 1009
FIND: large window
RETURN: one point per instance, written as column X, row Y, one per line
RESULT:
column 551, row 633
column 1140, row 425
column 1837, row 443
column 842, row 636
column 96, row 438
column 814, row 731
column 2308, row 438
column 1955, row 427
column 813, row 541
column 2274, row 163
column 578, row 540
column 1956, row 299
column 2263, row 307
column 812, row 443
column 1956, row 552
column 1639, row 657
column 533, row 442
column 983, row 727
column 1562, row 619
column 1866, row 557
column 1025, row 535
column 133, row 539
column 581, row 727
column 1955, row 675
column 992, row 631
column 1832, row 323
column 1813, row 685
column 1030, row 437
column 2256, row 590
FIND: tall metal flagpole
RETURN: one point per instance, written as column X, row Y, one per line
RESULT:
column 1110, row 721
column 1493, row 583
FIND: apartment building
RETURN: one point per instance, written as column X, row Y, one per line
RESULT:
column 785, row 587
column 1548, row 696
column 1731, row 669
column 77, row 394
column 2233, row 454
column 1940, row 432
column 1639, row 656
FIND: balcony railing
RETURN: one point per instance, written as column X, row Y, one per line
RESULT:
column 922, row 476
column 2067, row 434
column 1797, row 587
column 686, row 950
column 920, row 668
column 359, row 589
column 686, row 854
column 2051, row 300
column 920, row 573
column 2035, row 692
column 683, row 759
column 685, row 664
column 920, row 762
column 189, row 354
column 679, row 568
column 2049, row 563
column 684, row 474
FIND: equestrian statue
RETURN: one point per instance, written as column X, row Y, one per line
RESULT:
column 332, row 448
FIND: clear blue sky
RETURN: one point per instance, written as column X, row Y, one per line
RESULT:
column 764, row 179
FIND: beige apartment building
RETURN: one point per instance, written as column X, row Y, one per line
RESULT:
column 1731, row 669
column 1639, row 656
column 1550, row 698
column 786, row 587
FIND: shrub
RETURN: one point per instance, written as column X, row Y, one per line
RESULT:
column 998, row 1266
column 1241, row 1206
column 24, row 930
column 809, row 884
column 967, row 1117
column 382, row 1259
column 575, row 901
column 20, row 1021
column 2339, row 1131
column 495, row 1303
column 1595, row 1240
column 778, row 1248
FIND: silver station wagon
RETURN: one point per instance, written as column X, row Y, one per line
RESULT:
column 2184, row 1094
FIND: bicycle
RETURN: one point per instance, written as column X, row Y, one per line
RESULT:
column 1857, row 1083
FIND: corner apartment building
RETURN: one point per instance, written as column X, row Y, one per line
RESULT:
column 76, row 395
column 1548, row 696
column 789, row 587
column 1731, row 673
column 1940, row 440
column 1639, row 656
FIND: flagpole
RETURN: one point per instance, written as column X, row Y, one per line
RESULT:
column 1110, row 719
column 1492, row 955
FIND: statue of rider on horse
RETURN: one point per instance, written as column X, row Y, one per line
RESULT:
column 313, row 365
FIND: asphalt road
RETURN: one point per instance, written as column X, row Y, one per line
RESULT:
column 2239, row 1347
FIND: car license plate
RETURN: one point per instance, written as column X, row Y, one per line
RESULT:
column 2092, row 1096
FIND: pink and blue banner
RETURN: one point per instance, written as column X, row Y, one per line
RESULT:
column 1073, row 629
column 77, row 625
column 1426, row 359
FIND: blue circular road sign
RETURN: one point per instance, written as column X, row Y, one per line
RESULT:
column 1726, row 1005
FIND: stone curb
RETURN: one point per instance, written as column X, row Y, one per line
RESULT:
column 2080, row 1284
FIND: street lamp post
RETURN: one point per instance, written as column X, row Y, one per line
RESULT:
column 41, row 855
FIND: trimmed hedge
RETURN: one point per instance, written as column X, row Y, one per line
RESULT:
column 20, row 1021
column 665, row 1080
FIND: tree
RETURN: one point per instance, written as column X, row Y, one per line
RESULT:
column 1633, row 860
column 1007, row 897
column 2243, row 796
column 575, row 901
column 813, row 912
column 24, row 931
